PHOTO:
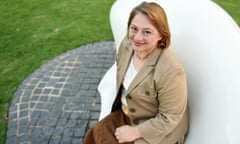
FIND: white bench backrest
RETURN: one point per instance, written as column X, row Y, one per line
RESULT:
column 207, row 42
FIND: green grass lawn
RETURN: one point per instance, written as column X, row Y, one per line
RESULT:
column 33, row 32
column 232, row 7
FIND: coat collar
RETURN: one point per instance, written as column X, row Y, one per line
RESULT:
column 122, row 66
column 148, row 66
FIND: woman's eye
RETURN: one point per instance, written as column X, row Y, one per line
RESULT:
column 134, row 29
column 147, row 33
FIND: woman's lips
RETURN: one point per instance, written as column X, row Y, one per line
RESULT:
column 138, row 44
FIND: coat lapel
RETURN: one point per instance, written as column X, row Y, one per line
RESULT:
column 146, row 69
column 123, row 64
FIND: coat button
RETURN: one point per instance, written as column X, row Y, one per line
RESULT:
column 135, row 121
column 147, row 93
column 129, row 97
column 133, row 110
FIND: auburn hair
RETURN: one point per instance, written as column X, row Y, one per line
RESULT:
column 157, row 16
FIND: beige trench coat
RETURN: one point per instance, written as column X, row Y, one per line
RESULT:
column 157, row 97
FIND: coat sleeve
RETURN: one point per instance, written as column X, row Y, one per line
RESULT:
column 172, row 98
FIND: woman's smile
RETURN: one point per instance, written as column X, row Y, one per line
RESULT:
column 138, row 44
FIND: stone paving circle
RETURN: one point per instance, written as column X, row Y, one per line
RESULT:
column 59, row 102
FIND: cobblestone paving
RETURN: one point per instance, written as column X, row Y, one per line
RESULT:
column 59, row 102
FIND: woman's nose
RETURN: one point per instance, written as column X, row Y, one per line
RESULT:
column 138, row 36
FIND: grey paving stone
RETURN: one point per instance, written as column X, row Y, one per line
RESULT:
column 33, row 121
column 12, row 115
column 59, row 102
column 92, row 123
column 79, row 132
column 66, row 140
column 52, row 122
column 68, row 132
column 85, row 115
column 35, row 114
column 76, row 141
column 13, row 108
column 11, row 140
column 11, row 132
column 23, row 138
column 59, row 131
column 76, row 115
column 12, row 124
column 71, row 123
column 23, row 130
column 65, row 115
column 47, row 131
column 36, row 132
column 94, row 115
column 82, row 124
column 41, row 122
column 55, row 140
column 23, row 122
column 61, row 122
column 24, row 113
column 25, row 99
column 42, row 139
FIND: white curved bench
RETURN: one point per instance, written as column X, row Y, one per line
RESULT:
column 207, row 42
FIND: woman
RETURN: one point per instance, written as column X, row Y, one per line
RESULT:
column 151, row 104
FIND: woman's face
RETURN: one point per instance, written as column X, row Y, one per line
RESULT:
column 142, row 34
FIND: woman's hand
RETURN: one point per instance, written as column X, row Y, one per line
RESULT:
column 126, row 133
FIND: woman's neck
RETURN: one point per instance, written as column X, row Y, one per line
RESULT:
column 142, row 56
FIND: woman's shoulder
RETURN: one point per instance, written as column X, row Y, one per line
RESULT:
column 168, row 61
column 125, row 44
